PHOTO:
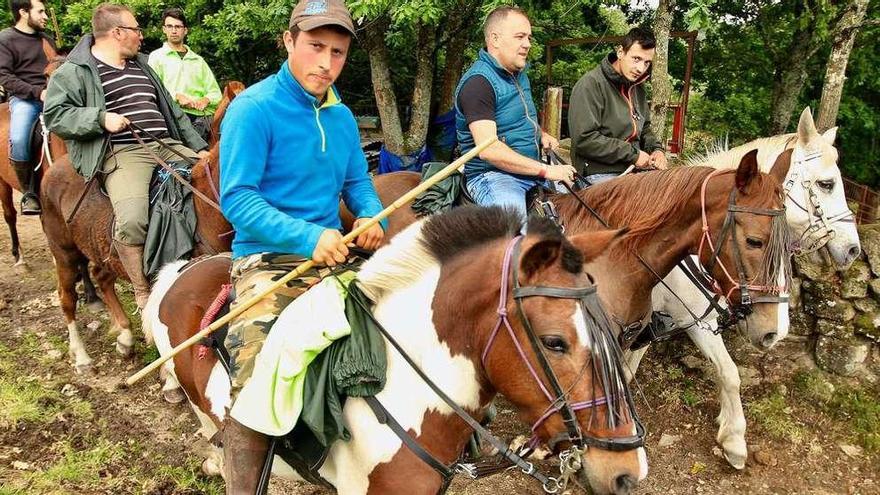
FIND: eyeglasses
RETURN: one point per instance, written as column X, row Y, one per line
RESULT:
column 137, row 29
column 174, row 28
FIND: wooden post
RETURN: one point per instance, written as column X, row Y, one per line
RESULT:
column 553, row 112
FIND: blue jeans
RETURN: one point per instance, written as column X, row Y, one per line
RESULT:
column 597, row 178
column 22, row 115
column 501, row 189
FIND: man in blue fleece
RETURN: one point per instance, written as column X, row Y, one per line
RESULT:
column 289, row 149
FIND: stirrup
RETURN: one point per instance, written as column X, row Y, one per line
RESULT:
column 30, row 205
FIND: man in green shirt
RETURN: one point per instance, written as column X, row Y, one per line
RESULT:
column 185, row 73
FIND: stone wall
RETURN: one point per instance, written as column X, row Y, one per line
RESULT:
column 840, row 312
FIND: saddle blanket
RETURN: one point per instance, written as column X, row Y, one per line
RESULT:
column 272, row 399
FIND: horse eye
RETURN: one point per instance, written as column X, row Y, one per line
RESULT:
column 827, row 185
column 554, row 343
column 754, row 243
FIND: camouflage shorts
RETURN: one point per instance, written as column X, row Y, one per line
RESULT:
column 252, row 275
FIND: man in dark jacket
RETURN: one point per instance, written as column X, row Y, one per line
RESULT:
column 494, row 99
column 98, row 102
column 608, row 114
column 22, row 62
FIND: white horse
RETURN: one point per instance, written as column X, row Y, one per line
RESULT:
column 822, row 225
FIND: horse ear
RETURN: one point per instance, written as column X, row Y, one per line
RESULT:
column 830, row 135
column 594, row 244
column 781, row 166
column 806, row 130
column 747, row 170
column 540, row 255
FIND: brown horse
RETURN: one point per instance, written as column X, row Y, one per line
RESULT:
column 77, row 237
column 439, row 288
column 664, row 212
column 8, row 177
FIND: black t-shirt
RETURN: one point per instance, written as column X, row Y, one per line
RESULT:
column 477, row 100
column 22, row 62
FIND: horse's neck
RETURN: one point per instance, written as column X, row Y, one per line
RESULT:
column 211, row 227
column 625, row 284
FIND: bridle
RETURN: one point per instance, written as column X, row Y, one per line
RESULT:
column 570, row 459
column 589, row 304
column 820, row 230
column 772, row 293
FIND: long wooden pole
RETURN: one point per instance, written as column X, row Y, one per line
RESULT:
column 351, row 236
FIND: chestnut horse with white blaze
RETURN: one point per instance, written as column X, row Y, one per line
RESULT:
column 78, row 219
column 442, row 288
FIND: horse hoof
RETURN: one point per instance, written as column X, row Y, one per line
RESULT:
column 174, row 396
column 123, row 350
column 210, row 467
column 736, row 461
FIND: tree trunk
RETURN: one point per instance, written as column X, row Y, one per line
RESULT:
column 835, row 71
column 791, row 68
column 422, row 89
column 383, row 88
column 660, row 84
column 459, row 26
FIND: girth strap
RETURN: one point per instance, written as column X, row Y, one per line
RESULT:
column 384, row 417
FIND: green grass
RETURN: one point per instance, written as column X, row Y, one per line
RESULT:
column 189, row 478
column 775, row 415
column 82, row 468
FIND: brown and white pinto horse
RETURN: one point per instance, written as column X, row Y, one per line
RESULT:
column 8, row 178
column 75, row 238
column 436, row 289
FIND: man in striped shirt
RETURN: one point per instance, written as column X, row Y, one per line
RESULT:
column 97, row 102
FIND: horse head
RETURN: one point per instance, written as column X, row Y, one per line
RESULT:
column 557, row 359
column 745, row 247
column 818, row 212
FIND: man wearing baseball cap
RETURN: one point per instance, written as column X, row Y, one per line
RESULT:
column 290, row 148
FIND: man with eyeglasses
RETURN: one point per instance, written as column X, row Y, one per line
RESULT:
column 185, row 73
column 494, row 99
column 104, row 94
column 608, row 114
column 22, row 65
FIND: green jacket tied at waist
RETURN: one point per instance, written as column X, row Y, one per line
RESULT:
column 74, row 109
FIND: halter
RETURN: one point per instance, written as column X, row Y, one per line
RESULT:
column 587, row 299
column 743, row 284
column 816, row 235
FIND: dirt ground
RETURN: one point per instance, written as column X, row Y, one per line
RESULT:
column 63, row 433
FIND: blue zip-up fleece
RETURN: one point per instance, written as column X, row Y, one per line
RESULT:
column 284, row 160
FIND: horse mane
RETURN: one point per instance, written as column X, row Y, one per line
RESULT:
column 643, row 202
column 720, row 155
column 430, row 242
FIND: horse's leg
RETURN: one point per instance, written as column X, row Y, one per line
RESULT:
column 93, row 302
column 633, row 359
column 731, row 420
column 10, row 216
column 119, row 321
column 65, row 267
column 171, row 390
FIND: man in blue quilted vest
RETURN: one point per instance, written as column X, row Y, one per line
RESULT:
column 494, row 98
